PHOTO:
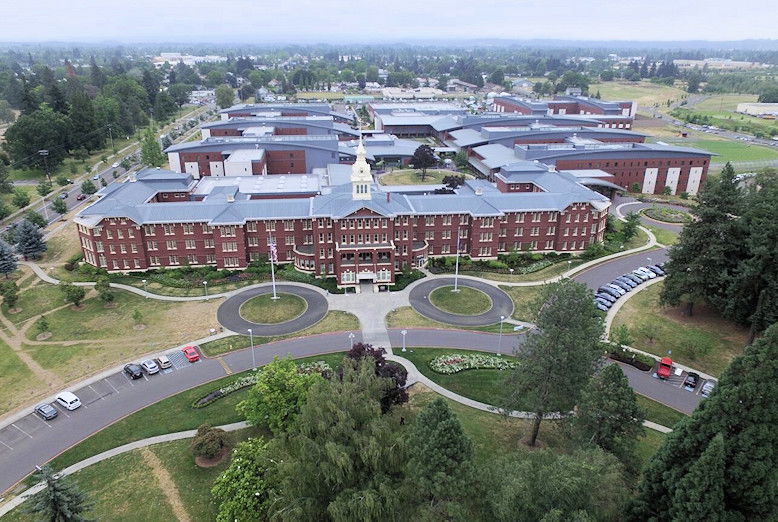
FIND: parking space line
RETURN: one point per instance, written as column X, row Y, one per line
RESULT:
column 99, row 397
column 111, row 385
column 61, row 410
column 144, row 376
column 18, row 428
column 42, row 420
column 6, row 445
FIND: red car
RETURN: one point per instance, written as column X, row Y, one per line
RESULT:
column 190, row 352
column 81, row 197
column 665, row 367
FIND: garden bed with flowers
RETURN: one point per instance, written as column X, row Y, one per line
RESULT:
column 454, row 363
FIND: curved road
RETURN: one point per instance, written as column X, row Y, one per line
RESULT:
column 502, row 305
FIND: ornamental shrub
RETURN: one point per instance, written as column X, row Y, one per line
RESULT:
column 209, row 442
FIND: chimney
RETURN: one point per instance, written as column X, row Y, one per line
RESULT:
column 388, row 197
column 230, row 198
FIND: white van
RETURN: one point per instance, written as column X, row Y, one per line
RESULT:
column 68, row 400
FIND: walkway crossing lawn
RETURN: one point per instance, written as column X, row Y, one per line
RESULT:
column 122, row 488
column 334, row 321
column 480, row 385
column 465, row 301
column 523, row 299
column 407, row 317
column 18, row 383
column 263, row 309
column 704, row 340
column 413, row 177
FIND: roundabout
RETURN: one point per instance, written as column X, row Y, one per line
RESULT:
column 463, row 308
column 297, row 308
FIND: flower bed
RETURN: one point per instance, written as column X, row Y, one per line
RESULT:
column 639, row 361
column 455, row 363
column 668, row 215
column 238, row 384
column 320, row 367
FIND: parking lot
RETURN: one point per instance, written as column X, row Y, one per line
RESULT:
column 677, row 378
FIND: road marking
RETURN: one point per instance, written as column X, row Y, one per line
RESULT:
column 144, row 376
column 111, row 385
column 99, row 397
column 6, row 445
column 42, row 420
column 224, row 365
column 18, row 428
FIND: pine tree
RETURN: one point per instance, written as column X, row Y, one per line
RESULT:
column 60, row 500
column 699, row 495
column 29, row 240
column 7, row 259
column 608, row 414
column 742, row 409
column 440, row 467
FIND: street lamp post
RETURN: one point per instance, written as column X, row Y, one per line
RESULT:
column 456, row 264
column 351, row 339
column 511, row 271
column 499, row 339
column 253, row 357
column 144, row 287
column 404, row 332
column 45, row 210
column 205, row 285
column 45, row 154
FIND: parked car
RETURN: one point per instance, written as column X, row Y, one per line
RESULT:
column 133, row 371
column 610, row 291
column 64, row 195
column 115, row 165
column 81, row 196
column 46, row 411
column 68, row 400
column 190, row 352
column 641, row 275
column 617, row 289
column 707, row 388
column 163, row 362
column 96, row 177
column 691, row 381
column 656, row 269
column 665, row 367
column 649, row 273
column 603, row 302
column 629, row 282
column 607, row 297
column 600, row 306
column 150, row 367
column 621, row 284
column 633, row 278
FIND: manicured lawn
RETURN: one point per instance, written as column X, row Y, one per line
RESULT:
column 481, row 385
column 407, row 317
column 734, row 151
column 413, row 177
column 645, row 93
column 668, row 215
column 658, row 412
column 648, row 445
column 334, row 321
column 20, row 385
column 38, row 298
column 263, row 309
column 723, row 103
column 465, row 301
column 7, row 198
column 523, row 297
column 657, row 329
column 663, row 236
column 549, row 272
column 62, row 245
column 122, row 488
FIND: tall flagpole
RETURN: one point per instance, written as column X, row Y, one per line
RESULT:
column 273, row 258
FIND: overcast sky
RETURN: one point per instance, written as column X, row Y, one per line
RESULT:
column 263, row 21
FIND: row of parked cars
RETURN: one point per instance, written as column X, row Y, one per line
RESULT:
column 607, row 294
column 70, row 400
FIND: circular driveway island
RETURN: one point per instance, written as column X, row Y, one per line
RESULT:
column 501, row 305
column 229, row 316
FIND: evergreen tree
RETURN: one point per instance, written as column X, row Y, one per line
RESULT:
column 608, row 414
column 699, row 495
column 164, row 106
column 10, row 293
column 743, row 411
column 7, row 259
column 83, row 121
column 440, row 465
column 59, row 501
column 29, row 240
column 556, row 362
column 96, row 74
column 150, row 152
column 342, row 459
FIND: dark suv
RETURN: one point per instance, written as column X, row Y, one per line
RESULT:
column 133, row 371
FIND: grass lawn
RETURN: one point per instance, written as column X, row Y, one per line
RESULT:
column 413, row 177
column 648, row 445
column 322, row 95
column 523, row 297
column 16, row 376
column 645, row 93
column 7, row 198
column 62, row 245
column 663, row 236
column 657, row 329
column 481, row 385
column 734, row 151
column 722, row 103
column 407, row 317
column 658, row 412
column 549, row 272
column 37, row 298
column 466, row 301
column 334, row 321
column 263, row 309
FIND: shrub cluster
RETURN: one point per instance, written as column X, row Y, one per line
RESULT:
column 455, row 363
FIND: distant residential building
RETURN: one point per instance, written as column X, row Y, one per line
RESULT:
column 719, row 63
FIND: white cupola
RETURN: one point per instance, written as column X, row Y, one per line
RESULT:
column 361, row 178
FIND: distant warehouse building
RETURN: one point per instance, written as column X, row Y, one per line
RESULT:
column 762, row 110
column 280, row 126
column 246, row 110
column 612, row 112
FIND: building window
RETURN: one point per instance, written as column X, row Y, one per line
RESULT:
column 133, row 248
column 208, row 243
column 169, row 230
column 173, row 260
column 112, row 249
column 99, row 246
column 108, row 234
column 102, row 260
column 210, row 258
column 429, row 221
column 131, row 233
column 270, row 226
column 551, row 230
column 230, row 246
column 251, row 226
column 253, row 241
column 154, row 260
column 288, row 225
column 136, row 262
column 149, row 230
column 191, row 259
column 520, row 217
column 228, row 231
column 171, row 245
column 120, row 234
column 289, row 240
column 190, row 244
column 536, row 217
column 535, row 231
column 207, row 229
column 123, row 248
column 188, row 228
column 549, row 245
column 115, row 264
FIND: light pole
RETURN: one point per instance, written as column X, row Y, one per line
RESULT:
column 144, row 287
column 511, row 271
column 351, row 338
column 403, row 332
column 45, row 154
column 205, row 285
column 45, row 210
column 499, row 339
column 253, row 357
column 456, row 265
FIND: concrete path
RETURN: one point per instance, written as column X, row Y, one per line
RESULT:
column 138, row 444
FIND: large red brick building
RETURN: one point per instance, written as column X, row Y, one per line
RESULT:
column 339, row 223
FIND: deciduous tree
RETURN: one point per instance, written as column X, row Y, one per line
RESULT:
column 72, row 293
column 59, row 206
column 150, row 152
column 424, row 158
column 225, row 96
column 242, row 490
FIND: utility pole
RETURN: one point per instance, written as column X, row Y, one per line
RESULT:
column 45, row 154
column 110, row 135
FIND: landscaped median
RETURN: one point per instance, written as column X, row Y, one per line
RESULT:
column 407, row 317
